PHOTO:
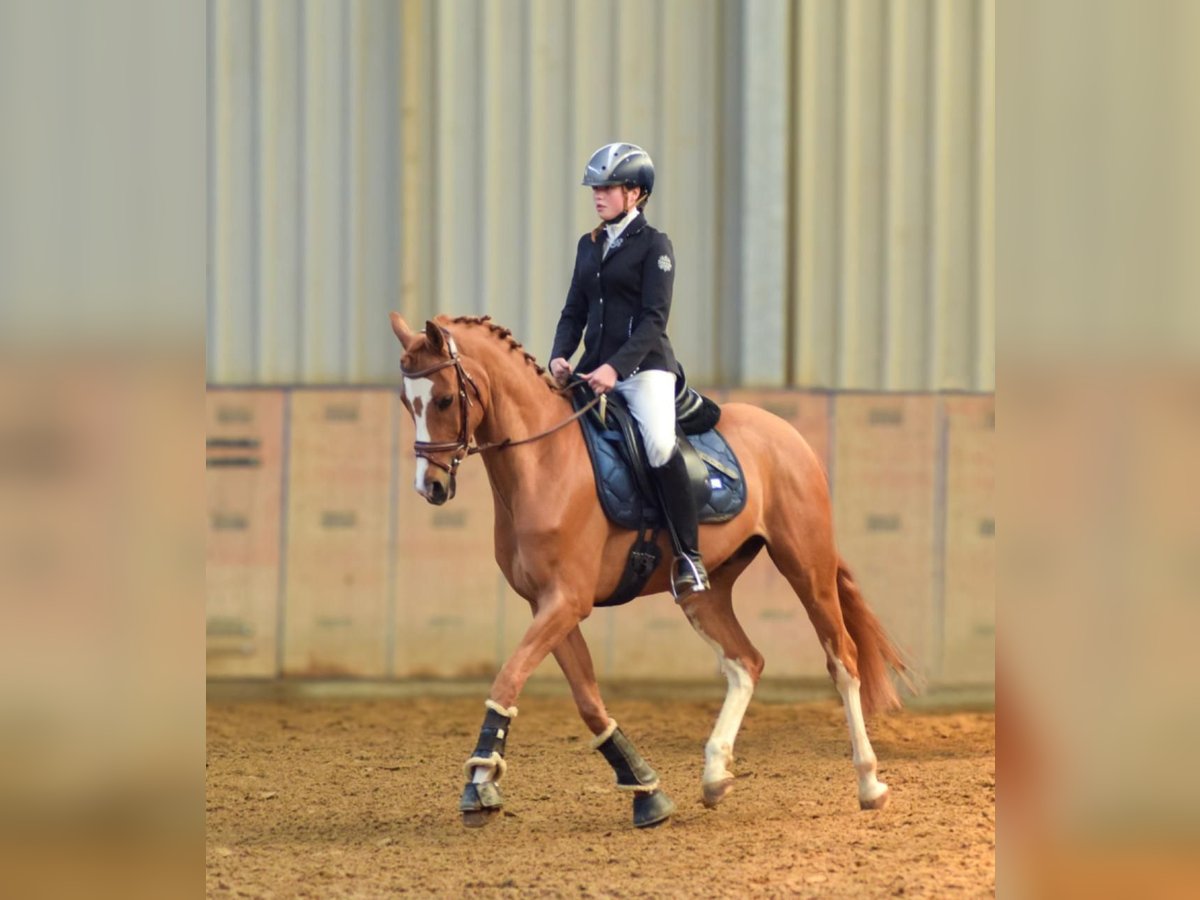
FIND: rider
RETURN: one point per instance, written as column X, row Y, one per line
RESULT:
column 619, row 301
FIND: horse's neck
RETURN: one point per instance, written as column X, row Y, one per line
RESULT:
column 521, row 407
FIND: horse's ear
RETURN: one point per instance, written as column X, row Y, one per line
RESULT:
column 436, row 340
column 402, row 330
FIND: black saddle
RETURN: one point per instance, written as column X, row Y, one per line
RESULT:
column 623, row 483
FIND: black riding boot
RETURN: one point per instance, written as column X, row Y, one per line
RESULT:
column 688, row 573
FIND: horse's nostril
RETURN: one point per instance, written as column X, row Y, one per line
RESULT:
column 437, row 492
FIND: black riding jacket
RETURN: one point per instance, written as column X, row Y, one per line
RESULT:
column 620, row 304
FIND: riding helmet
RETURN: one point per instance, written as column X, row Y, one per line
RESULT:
column 620, row 163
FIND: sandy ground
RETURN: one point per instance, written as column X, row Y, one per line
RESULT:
column 358, row 798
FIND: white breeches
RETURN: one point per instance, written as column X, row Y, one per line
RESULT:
column 651, row 398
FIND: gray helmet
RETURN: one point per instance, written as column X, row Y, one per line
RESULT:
column 626, row 164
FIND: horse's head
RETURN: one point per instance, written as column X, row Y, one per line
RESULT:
column 445, row 404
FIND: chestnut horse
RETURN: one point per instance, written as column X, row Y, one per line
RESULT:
column 472, row 389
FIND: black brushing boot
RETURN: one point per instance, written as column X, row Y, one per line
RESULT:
column 481, row 800
column 650, row 805
column 675, row 489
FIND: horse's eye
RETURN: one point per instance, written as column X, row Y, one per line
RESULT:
column 443, row 403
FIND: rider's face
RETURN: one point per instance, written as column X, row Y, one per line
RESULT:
column 613, row 200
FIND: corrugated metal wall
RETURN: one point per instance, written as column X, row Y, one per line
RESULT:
column 826, row 172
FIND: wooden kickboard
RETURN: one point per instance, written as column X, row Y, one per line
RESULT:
column 243, row 480
column 340, row 486
column 969, row 625
column 884, row 474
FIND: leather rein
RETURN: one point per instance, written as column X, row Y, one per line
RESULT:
column 464, row 446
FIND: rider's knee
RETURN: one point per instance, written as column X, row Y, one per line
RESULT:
column 659, row 449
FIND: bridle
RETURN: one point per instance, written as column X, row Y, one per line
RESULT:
column 464, row 445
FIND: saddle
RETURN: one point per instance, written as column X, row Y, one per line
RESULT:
column 623, row 482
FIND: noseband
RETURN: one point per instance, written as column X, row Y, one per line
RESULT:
column 463, row 447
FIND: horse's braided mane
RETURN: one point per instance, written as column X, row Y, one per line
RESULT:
column 504, row 334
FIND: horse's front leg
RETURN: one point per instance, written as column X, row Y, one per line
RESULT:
column 650, row 805
column 481, row 798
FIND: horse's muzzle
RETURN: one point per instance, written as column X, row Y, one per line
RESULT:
column 438, row 493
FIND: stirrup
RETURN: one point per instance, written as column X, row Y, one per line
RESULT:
column 699, row 577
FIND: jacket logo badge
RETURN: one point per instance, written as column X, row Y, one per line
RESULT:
column 664, row 263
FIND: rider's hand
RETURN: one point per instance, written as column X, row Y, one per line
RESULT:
column 560, row 369
column 603, row 380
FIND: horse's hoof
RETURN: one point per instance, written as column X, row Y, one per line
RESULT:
column 715, row 791
column 477, row 818
column 878, row 803
column 650, row 809
column 479, row 804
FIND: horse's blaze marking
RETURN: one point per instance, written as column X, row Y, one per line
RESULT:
column 419, row 391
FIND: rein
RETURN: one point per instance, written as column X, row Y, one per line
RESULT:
column 463, row 447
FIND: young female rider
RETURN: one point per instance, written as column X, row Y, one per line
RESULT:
column 619, row 302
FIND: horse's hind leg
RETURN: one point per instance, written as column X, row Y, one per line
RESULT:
column 650, row 805
column 711, row 614
column 872, row 793
column 816, row 582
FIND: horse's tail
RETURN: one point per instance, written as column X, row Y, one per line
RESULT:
column 876, row 652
